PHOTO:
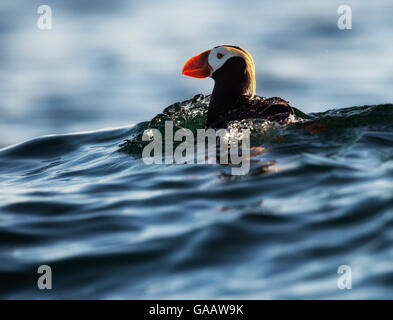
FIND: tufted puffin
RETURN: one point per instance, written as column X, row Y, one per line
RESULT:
column 233, row 96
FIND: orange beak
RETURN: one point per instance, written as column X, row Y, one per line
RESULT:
column 198, row 66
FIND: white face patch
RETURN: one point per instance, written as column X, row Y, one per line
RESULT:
column 218, row 56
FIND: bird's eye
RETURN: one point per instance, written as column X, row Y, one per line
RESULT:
column 219, row 55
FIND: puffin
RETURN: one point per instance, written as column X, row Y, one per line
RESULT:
column 233, row 98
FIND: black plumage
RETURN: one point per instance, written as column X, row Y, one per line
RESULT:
column 232, row 98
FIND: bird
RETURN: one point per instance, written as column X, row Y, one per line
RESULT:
column 233, row 98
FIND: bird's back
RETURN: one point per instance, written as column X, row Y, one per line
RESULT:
column 273, row 108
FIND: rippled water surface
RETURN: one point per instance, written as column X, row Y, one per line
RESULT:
column 319, row 194
column 111, row 226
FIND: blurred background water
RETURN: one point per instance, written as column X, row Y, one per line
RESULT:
column 112, row 63
column 112, row 227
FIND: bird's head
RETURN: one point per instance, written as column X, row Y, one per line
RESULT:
column 223, row 62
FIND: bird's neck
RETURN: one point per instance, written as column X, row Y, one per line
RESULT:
column 225, row 95
column 229, row 88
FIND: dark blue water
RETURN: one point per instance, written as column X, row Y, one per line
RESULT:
column 111, row 226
